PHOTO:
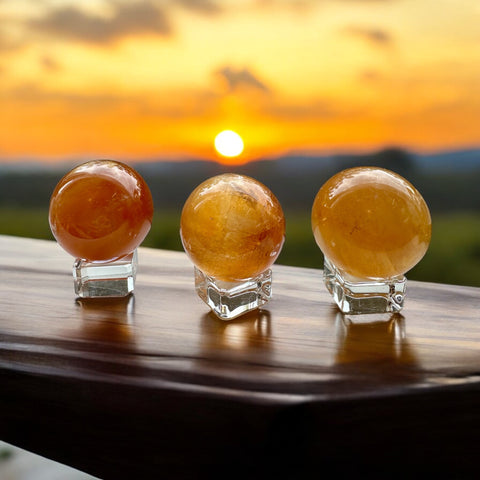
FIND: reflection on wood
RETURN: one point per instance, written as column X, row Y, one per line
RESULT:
column 379, row 342
column 107, row 319
column 154, row 385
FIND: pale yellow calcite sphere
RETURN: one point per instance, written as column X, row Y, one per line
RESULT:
column 371, row 223
column 232, row 227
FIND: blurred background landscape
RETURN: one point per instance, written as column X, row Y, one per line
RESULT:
column 311, row 88
column 449, row 182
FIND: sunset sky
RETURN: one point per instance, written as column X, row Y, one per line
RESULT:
column 155, row 79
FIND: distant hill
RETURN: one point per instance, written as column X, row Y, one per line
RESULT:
column 450, row 161
column 447, row 180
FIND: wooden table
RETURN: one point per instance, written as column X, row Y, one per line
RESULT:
column 153, row 386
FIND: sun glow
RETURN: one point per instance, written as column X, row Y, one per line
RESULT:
column 74, row 92
column 229, row 144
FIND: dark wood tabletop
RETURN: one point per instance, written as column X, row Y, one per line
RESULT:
column 155, row 386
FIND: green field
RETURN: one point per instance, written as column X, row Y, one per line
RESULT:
column 453, row 256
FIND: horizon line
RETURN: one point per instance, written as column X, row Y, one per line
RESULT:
column 183, row 158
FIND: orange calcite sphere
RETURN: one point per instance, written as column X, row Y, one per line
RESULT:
column 232, row 227
column 371, row 223
column 101, row 211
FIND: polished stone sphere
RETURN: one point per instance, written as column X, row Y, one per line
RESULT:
column 371, row 223
column 232, row 227
column 101, row 211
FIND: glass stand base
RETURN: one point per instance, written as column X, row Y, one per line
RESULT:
column 355, row 296
column 229, row 300
column 110, row 279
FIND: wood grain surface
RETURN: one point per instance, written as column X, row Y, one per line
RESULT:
column 154, row 386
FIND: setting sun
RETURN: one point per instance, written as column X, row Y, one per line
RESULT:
column 229, row 143
column 81, row 79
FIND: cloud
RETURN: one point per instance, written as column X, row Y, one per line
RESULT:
column 304, row 6
column 7, row 43
column 301, row 6
column 49, row 63
column 236, row 79
column 34, row 94
column 74, row 24
column 196, row 104
column 4, row 43
column 201, row 6
column 370, row 76
column 370, row 1
column 316, row 110
column 374, row 36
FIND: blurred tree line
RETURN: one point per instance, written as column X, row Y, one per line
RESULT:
column 295, row 180
column 451, row 192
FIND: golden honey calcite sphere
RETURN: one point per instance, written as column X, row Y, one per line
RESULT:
column 101, row 211
column 371, row 223
column 232, row 227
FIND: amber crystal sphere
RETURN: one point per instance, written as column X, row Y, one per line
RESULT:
column 371, row 223
column 101, row 211
column 232, row 227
